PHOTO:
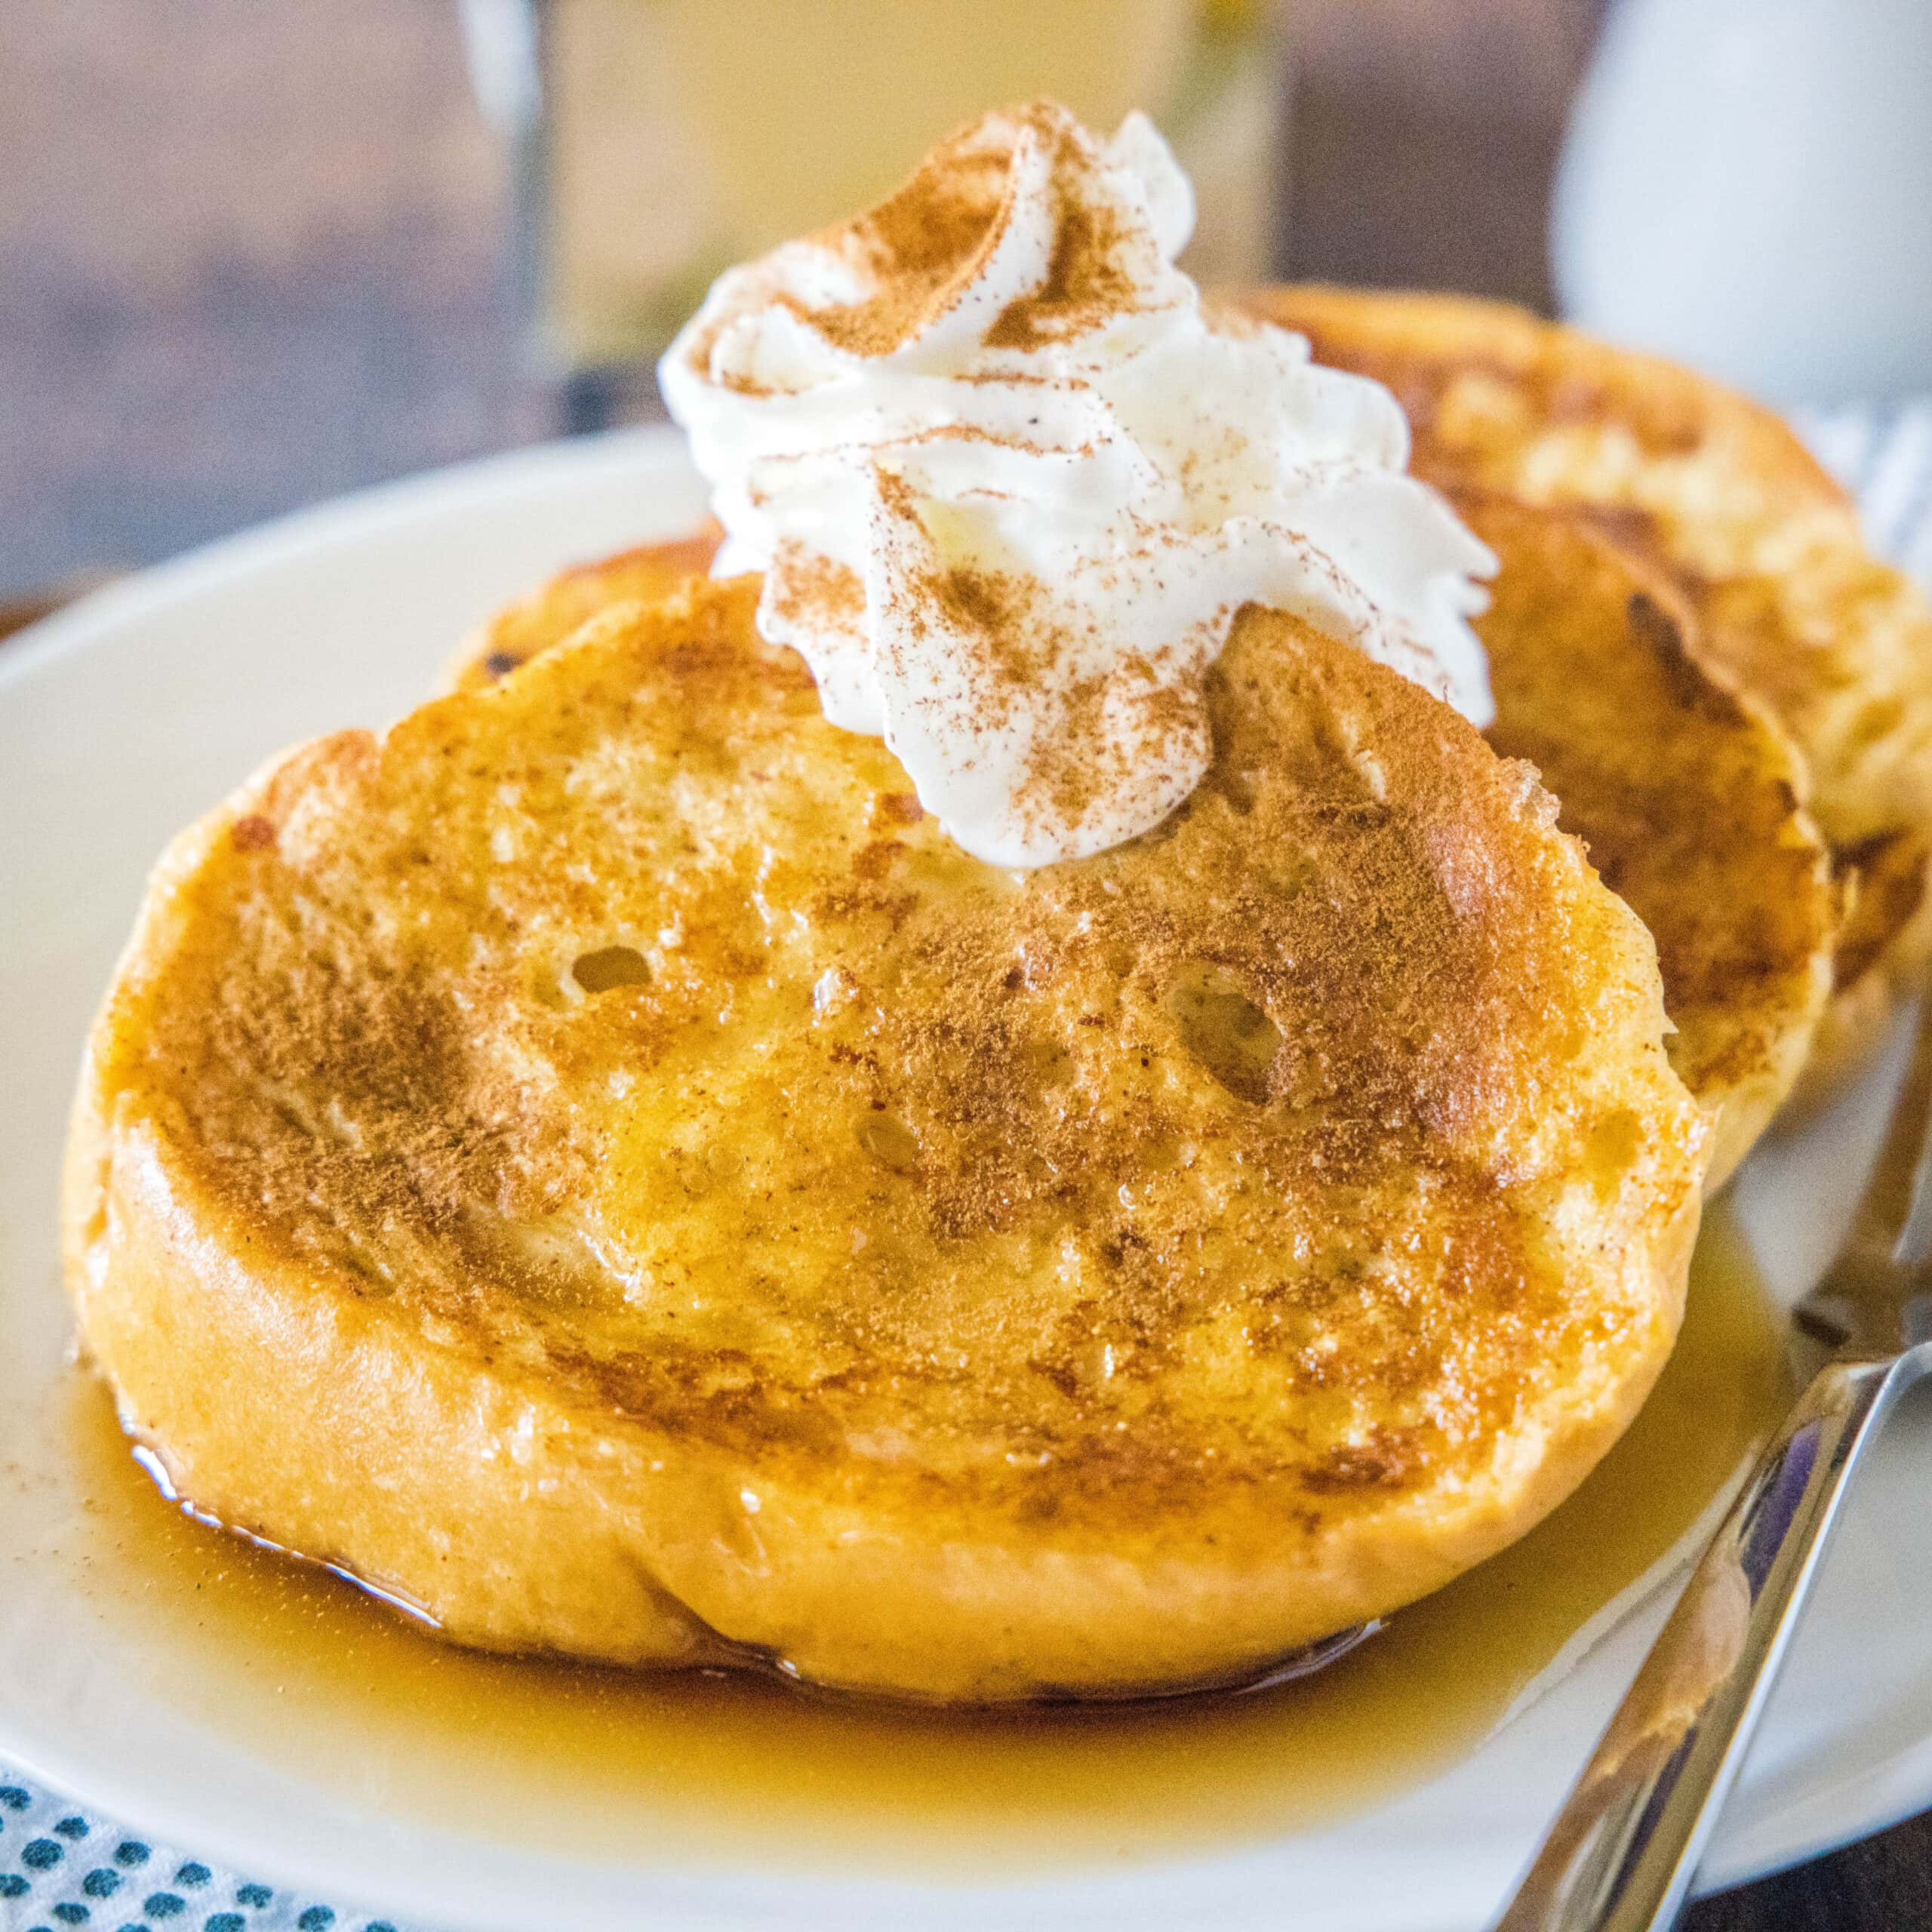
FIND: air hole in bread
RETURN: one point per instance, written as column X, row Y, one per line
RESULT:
column 1225, row 1030
column 610, row 966
column 890, row 1142
column 1616, row 1142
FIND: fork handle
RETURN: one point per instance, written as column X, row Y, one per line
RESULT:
column 1622, row 1852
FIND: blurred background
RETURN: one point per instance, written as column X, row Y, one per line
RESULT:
column 253, row 255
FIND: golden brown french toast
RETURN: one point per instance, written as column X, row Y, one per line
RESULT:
column 549, row 613
column 598, row 1162
column 1764, row 545
column 558, row 608
column 1688, row 794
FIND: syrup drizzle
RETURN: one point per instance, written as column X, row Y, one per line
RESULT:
column 301, row 1666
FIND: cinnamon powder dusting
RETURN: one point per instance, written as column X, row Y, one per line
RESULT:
column 1087, row 283
column 1099, row 737
column 808, row 588
column 1118, row 736
column 921, row 249
column 1005, row 621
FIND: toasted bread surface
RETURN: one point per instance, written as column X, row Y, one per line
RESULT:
column 1762, row 543
column 548, row 614
column 600, row 1164
column 1687, row 794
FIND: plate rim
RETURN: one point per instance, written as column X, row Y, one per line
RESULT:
column 77, row 626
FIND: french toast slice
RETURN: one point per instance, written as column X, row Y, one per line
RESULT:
column 557, row 608
column 1688, row 794
column 1760, row 541
column 548, row 614
column 598, row 1163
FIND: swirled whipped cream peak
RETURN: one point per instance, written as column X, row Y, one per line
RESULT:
column 1009, row 483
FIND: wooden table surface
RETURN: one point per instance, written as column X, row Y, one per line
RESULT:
column 250, row 256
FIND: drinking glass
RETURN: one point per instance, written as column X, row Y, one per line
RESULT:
column 658, row 141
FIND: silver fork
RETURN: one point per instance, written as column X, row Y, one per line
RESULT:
column 1622, row 1852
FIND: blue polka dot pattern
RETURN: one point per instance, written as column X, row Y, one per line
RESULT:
column 62, row 1866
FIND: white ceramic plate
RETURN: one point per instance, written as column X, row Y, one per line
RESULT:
column 125, row 717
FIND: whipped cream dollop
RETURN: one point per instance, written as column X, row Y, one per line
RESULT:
column 1009, row 483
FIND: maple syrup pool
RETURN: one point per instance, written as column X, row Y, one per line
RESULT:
column 304, row 1669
